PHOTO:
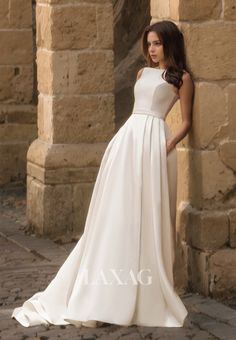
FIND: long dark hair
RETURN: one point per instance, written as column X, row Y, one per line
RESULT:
column 173, row 47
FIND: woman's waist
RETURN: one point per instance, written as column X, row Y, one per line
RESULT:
column 149, row 112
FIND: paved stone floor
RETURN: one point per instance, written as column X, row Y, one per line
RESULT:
column 28, row 263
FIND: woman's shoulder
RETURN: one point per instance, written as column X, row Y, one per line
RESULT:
column 139, row 73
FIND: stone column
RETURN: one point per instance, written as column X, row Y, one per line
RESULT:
column 207, row 157
column 75, row 112
column 17, row 109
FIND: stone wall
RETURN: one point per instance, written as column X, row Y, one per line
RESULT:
column 17, row 89
column 206, row 157
column 75, row 112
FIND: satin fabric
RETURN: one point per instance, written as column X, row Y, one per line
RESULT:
column 127, row 250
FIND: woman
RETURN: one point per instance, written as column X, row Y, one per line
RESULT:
column 120, row 271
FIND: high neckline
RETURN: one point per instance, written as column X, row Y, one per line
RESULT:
column 156, row 68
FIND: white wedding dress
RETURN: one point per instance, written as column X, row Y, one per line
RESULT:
column 121, row 269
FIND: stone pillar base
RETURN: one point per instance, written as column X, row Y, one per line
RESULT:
column 60, row 180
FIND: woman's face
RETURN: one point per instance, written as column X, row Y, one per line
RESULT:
column 155, row 48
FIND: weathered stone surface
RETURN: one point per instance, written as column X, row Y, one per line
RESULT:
column 18, row 47
column 207, row 230
column 56, row 156
column 160, row 9
column 12, row 133
column 195, row 10
column 72, row 27
column 16, row 84
column 210, row 180
column 231, row 90
column 21, row 114
column 81, row 199
column 86, row 119
column 228, row 155
column 222, row 266
column 208, row 128
column 229, row 10
column 232, row 228
column 51, row 213
column 75, row 72
column 198, row 271
column 13, row 162
column 199, row 37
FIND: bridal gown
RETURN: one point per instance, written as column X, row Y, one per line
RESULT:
column 121, row 269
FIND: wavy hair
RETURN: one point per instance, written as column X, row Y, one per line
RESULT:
column 173, row 47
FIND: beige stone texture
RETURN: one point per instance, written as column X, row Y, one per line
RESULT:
column 51, row 213
column 207, row 230
column 210, row 118
column 16, row 47
column 231, row 91
column 210, row 180
column 62, row 2
column 198, row 271
column 232, row 228
column 84, row 26
column 222, row 273
column 183, row 168
column 83, row 119
column 20, row 114
column 15, row 14
column 11, row 133
column 207, row 46
column 228, row 154
column 160, row 10
column 195, row 9
column 229, row 10
column 81, row 199
column 55, row 156
column 76, row 73
column 16, row 84
column 12, row 160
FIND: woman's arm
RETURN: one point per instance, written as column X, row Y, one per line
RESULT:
column 186, row 101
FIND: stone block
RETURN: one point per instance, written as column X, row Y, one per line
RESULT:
column 232, row 228
column 160, row 9
column 195, row 10
column 12, row 133
column 49, row 208
column 227, row 154
column 56, row 156
column 20, row 114
column 67, row 28
column 184, row 178
column 222, row 273
column 20, row 13
column 65, row 2
column 75, row 72
column 229, row 10
column 198, row 271
column 231, row 90
column 198, row 38
column 81, row 199
column 210, row 117
column 45, row 118
column 207, row 230
column 16, row 84
column 4, row 17
column 104, row 20
column 210, row 180
column 83, row 119
column 13, row 162
column 18, row 47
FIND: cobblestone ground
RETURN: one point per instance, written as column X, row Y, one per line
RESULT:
column 28, row 263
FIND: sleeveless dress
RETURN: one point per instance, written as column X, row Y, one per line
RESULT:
column 121, row 269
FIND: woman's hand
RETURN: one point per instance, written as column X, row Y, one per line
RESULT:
column 169, row 146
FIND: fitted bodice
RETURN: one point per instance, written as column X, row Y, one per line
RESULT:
column 152, row 94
